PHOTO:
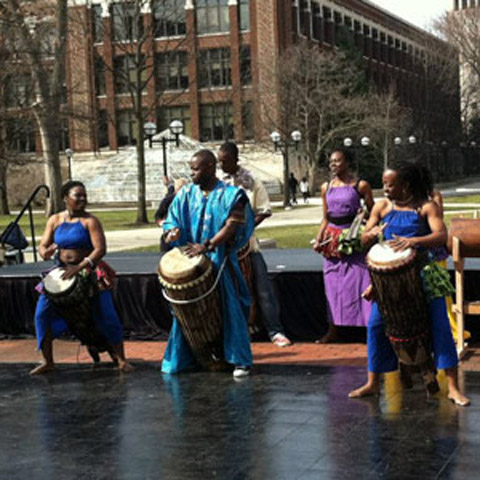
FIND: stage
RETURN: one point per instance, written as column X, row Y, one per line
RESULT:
column 296, row 276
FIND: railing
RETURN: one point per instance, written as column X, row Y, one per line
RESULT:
column 28, row 206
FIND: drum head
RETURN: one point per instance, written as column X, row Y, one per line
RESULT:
column 177, row 267
column 54, row 284
column 382, row 255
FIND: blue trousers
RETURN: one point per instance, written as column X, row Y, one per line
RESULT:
column 381, row 356
column 105, row 319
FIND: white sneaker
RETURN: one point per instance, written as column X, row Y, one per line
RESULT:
column 241, row 371
column 280, row 340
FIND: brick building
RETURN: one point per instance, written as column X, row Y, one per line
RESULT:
column 212, row 63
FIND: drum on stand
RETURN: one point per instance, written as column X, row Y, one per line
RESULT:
column 402, row 303
column 189, row 286
column 72, row 299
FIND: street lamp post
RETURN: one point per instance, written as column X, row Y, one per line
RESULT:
column 348, row 143
column 69, row 154
column 283, row 145
column 175, row 127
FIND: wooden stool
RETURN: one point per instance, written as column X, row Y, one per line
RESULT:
column 463, row 242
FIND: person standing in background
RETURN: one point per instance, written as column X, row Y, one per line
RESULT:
column 292, row 187
column 304, row 189
column 258, row 196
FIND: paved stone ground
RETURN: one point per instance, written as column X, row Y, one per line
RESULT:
column 346, row 354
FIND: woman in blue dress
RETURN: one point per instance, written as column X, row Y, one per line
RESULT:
column 407, row 218
column 76, row 238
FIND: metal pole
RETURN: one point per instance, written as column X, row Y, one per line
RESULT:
column 164, row 146
column 32, row 230
column 69, row 168
column 286, row 189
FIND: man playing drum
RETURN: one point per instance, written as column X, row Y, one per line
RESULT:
column 407, row 218
column 210, row 217
column 258, row 196
column 77, row 239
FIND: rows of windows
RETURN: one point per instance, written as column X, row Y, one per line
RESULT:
column 21, row 135
column 169, row 18
column 214, row 68
column 165, row 116
column 171, row 70
column 329, row 26
column 216, row 122
column 126, row 69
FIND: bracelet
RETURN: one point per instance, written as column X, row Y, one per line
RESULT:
column 90, row 262
column 209, row 245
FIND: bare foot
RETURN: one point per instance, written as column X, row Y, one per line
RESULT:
column 124, row 366
column 43, row 368
column 330, row 337
column 365, row 391
column 458, row 399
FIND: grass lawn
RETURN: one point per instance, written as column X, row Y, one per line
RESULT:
column 111, row 220
column 298, row 236
column 463, row 199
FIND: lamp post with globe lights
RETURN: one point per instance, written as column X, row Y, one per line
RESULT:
column 176, row 129
column 349, row 143
column 283, row 144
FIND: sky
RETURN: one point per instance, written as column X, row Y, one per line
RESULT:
column 418, row 12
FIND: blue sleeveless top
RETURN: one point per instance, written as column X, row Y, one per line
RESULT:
column 405, row 223
column 72, row 236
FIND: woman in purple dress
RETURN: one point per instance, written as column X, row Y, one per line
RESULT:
column 345, row 275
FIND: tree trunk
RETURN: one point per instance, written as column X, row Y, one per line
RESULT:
column 141, row 181
column 53, row 175
column 4, row 209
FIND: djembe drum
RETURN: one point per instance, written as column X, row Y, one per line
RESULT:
column 72, row 299
column 402, row 303
column 190, row 286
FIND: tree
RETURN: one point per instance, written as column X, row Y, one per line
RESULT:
column 326, row 96
column 462, row 30
column 133, row 67
column 36, row 38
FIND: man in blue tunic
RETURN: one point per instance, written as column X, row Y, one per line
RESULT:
column 210, row 217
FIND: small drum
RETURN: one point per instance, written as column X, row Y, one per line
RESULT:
column 245, row 263
column 189, row 286
column 401, row 300
column 72, row 299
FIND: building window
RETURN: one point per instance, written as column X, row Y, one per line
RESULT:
column 328, row 26
column 245, row 65
column 21, row 135
column 247, row 121
column 18, row 91
column 212, row 16
column 64, row 136
column 244, row 14
column 165, row 115
column 125, row 71
column 172, row 70
column 102, row 129
column 214, row 68
column 216, row 122
column 100, row 84
column 305, row 18
column 316, row 21
column 126, row 128
column 97, row 23
column 127, row 21
column 169, row 18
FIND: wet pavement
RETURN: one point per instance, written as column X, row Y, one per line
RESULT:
column 283, row 422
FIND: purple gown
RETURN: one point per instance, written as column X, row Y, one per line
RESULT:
column 346, row 279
